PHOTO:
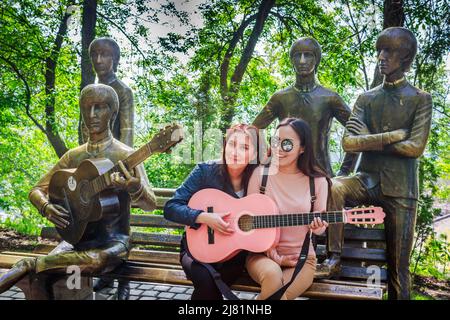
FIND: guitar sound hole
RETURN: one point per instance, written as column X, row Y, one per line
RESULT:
column 245, row 223
column 84, row 193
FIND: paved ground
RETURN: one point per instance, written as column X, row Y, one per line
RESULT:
column 139, row 291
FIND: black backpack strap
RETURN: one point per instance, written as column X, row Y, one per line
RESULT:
column 312, row 191
column 262, row 187
column 221, row 285
column 300, row 263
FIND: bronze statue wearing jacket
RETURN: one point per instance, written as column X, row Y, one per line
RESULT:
column 390, row 125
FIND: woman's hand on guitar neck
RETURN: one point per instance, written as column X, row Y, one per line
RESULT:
column 318, row 226
column 215, row 221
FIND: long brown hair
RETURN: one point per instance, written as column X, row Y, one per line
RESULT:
column 306, row 162
column 254, row 135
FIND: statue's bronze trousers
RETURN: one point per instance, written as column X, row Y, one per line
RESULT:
column 399, row 227
column 90, row 261
column 97, row 260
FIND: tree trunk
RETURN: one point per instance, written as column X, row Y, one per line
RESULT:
column 229, row 99
column 51, row 62
column 89, row 20
column 393, row 16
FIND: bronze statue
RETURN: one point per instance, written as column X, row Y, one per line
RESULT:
column 105, row 55
column 105, row 244
column 317, row 105
column 390, row 125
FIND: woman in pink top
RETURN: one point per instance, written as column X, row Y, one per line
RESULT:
column 291, row 166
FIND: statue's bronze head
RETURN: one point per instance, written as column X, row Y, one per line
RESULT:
column 396, row 48
column 305, row 53
column 99, row 105
column 105, row 55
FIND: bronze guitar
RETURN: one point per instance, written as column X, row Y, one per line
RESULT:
column 86, row 191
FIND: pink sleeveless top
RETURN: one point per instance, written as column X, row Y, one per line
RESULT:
column 291, row 193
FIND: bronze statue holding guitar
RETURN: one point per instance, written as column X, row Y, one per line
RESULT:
column 89, row 192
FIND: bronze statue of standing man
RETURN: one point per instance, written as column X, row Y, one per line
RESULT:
column 105, row 56
column 390, row 125
column 317, row 105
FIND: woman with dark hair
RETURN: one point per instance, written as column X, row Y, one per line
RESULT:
column 288, row 184
column 231, row 175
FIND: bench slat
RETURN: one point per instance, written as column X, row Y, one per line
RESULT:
column 161, row 239
column 164, row 192
column 364, row 254
column 161, row 202
column 360, row 272
column 364, row 234
column 158, row 239
column 152, row 220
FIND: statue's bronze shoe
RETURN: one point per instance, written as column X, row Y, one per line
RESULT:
column 102, row 283
column 17, row 272
column 329, row 268
column 123, row 290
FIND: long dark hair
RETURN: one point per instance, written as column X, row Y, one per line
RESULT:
column 306, row 162
column 259, row 147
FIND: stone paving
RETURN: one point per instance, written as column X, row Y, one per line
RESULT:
column 139, row 291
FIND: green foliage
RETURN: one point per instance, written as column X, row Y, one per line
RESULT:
column 418, row 296
column 434, row 259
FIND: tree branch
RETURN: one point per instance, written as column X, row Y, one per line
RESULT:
column 224, row 67
column 50, row 77
column 358, row 37
column 231, row 94
column 123, row 32
column 27, row 91
column 261, row 18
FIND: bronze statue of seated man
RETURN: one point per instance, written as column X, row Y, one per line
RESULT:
column 105, row 244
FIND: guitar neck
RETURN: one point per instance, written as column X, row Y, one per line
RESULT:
column 295, row 219
column 103, row 181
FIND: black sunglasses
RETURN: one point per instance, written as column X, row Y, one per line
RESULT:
column 286, row 144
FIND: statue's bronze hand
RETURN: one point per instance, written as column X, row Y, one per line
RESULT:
column 125, row 180
column 397, row 135
column 356, row 126
column 57, row 214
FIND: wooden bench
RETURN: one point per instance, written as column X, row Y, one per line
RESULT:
column 155, row 258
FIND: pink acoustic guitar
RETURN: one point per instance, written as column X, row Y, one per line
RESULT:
column 256, row 222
